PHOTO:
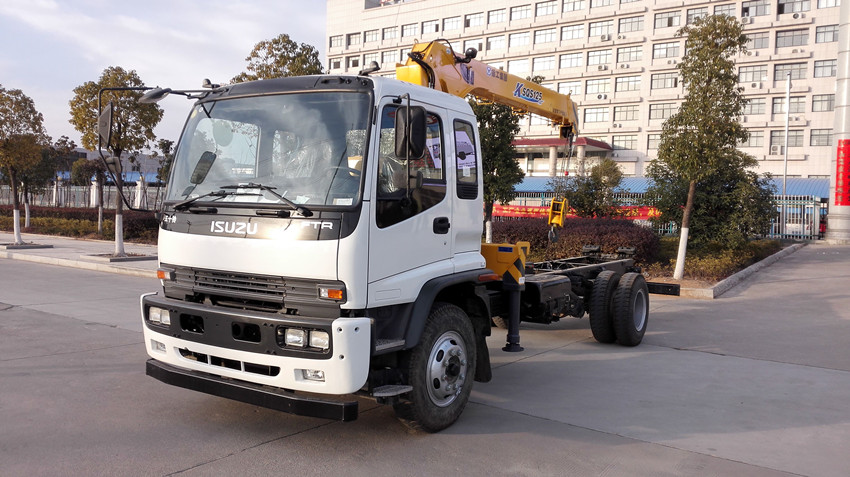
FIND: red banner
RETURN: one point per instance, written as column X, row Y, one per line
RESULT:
column 842, row 173
column 632, row 212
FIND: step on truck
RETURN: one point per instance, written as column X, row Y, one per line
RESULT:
column 320, row 238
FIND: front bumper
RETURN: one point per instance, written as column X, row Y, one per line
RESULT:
column 217, row 352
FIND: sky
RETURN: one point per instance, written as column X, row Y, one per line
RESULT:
column 49, row 47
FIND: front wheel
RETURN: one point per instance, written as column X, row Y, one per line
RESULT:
column 441, row 370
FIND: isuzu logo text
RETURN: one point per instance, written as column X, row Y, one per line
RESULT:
column 225, row 227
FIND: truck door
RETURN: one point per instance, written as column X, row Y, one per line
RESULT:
column 410, row 237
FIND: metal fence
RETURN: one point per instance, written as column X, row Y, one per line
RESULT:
column 145, row 196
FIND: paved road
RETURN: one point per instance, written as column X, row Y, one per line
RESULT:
column 754, row 383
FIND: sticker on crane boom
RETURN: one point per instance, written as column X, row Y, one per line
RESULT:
column 528, row 94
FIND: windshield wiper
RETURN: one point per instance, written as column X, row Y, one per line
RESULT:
column 304, row 211
column 182, row 205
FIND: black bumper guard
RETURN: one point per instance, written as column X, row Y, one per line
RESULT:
column 255, row 394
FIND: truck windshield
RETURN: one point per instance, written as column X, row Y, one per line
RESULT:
column 306, row 147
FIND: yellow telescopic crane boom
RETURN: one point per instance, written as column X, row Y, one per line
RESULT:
column 436, row 65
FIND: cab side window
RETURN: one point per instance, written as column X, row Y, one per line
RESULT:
column 408, row 187
column 466, row 161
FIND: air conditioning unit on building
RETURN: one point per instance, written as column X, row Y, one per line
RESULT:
column 603, row 67
column 743, row 119
column 601, row 96
column 605, row 37
column 775, row 150
column 798, row 15
column 745, row 20
column 624, row 65
column 756, row 85
column 621, row 37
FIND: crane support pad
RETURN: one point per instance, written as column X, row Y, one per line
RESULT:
column 663, row 288
column 249, row 393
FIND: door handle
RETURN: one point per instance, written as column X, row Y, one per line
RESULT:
column 441, row 225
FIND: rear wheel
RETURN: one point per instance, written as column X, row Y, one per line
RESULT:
column 631, row 309
column 601, row 312
column 441, row 370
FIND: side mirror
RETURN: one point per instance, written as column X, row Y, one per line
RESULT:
column 410, row 132
column 202, row 168
column 104, row 126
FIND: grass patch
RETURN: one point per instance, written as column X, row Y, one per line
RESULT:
column 710, row 262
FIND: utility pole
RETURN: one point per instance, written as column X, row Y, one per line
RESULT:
column 838, row 227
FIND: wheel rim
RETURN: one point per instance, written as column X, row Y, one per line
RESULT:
column 447, row 368
column 639, row 310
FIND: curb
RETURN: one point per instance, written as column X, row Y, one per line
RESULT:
column 730, row 282
column 98, row 267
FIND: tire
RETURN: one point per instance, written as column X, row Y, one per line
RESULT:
column 441, row 371
column 500, row 322
column 631, row 309
column 601, row 309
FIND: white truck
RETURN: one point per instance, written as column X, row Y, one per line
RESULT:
column 321, row 237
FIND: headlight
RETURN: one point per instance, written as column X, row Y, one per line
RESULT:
column 320, row 339
column 295, row 337
column 159, row 315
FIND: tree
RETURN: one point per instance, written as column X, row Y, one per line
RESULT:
column 700, row 139
column 497, row 126
column 279, row 57
column 132, row 121
column 592, row 195
column 166, row 151
column 22, row 137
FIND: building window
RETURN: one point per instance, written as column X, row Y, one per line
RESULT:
column 336, row 41
column 370, row 35
column 548, row 35
column 452, row 23
column 631, row 24
column 476, row 43
column 754, row 106
column 543, row 63
column 665, row 81
column 596, row 115
column 519, row 39
column 573, row 5
column 596, row 86
column 352, row 62
column 600, row 28
column 668, row 19
column 626, row 113
column 795, row 138
column 629, row 53
column 546, row 8
column 518, row 67
column 797, row 70
column 404, row 53
column 571, row 60
column 823, row 102
column 572, row 32
column 353, row 39
column 430, row 26
column 627, row 83
column 496, row 16
column 335, row 63
column 496, row 43
column 828, row 3
column 652, row 141
column 662, row 110
column 826, row 68
column 600, row 3
column 755, row 139
column 755, row 8
column 474, row 20
column 798, row 105
column 728, row 9
column 390, row 33
column 624, row 142
column 570, row 87
column 752, row 74
column 598, row 57
column 793, row 6
column 695, row 13
column 792, row 38
column 408, row 30
column 821, row 137
column 389, row 58
column 826, row 34
column 665, row 50
column 521, row 12
column 758, row 41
